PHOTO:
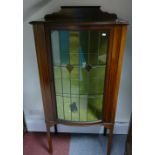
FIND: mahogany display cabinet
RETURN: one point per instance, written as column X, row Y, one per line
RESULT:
column 80, row 53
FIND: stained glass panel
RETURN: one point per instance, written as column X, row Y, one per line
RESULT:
column 79, row 63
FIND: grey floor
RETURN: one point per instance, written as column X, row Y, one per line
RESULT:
column 96, row 144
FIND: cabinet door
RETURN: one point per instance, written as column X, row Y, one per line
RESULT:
column 79, row 65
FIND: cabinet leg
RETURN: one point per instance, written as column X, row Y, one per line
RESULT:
column 55, row 128
column 105, row 131
column 50, row 150
column 109, row 141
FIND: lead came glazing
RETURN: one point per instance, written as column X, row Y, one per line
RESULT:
column 79, row 59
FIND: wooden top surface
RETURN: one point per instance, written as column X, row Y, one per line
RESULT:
column 81, row 15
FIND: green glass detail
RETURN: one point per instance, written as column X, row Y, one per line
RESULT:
column 75, row 81
column 58, row 81
column 67, row 110
column 59, row 100
column 65, row 80
column 94, row 107
column 79, row 64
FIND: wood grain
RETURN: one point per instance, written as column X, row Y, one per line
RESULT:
column 43, row 66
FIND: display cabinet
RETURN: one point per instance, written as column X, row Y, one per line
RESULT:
column 80, row 53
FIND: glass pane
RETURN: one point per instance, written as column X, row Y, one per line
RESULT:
column 84, row 81
column 93, row 42
column 75, row 108
column 90, row 107
column 74, row 47
column 60, row 107
column 103, row 46
column 83, row 107
column 75, row 81
column 94, row 107
column 65, row 80
column 79, row 59
column 67, row 110
column 58, row 81
column 96, row 80
column 56, row 48
column 64, row 46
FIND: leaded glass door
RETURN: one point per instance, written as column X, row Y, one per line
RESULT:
column 79, row 64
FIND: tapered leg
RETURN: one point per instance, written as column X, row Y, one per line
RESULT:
column 109, row 141
column 50, row 150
